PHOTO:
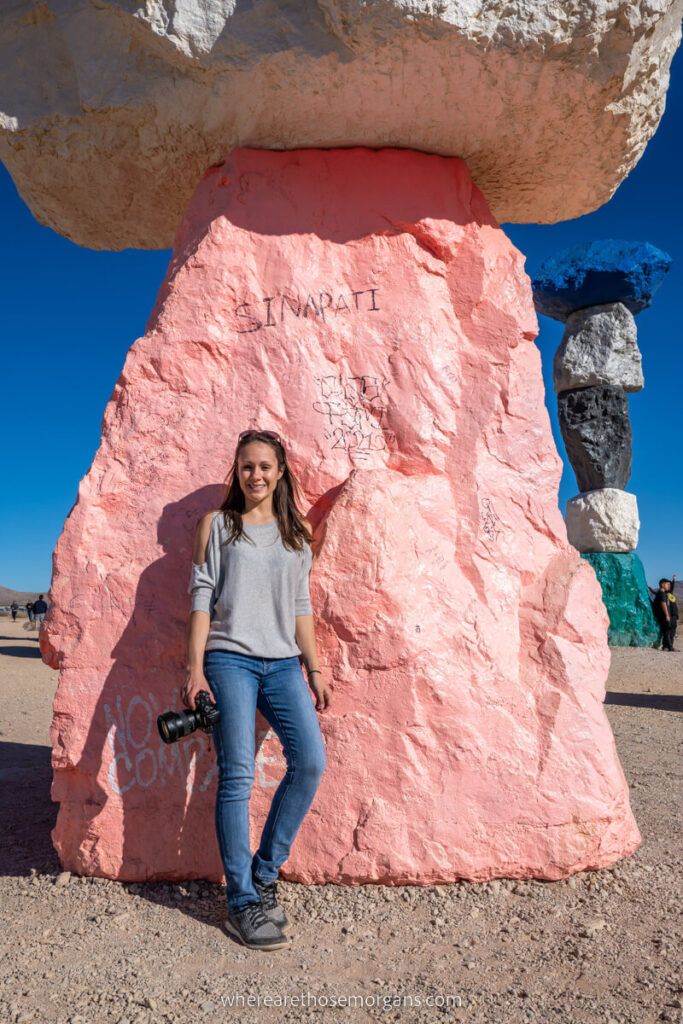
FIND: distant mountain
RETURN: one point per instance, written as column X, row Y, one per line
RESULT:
column 21, row 596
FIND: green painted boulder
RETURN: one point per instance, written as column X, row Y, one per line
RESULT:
column 626, row 597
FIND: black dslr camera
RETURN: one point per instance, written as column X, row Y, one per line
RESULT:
column 173, row 725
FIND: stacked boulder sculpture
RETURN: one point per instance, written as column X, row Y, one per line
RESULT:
column 596, row 289
column 333, row 282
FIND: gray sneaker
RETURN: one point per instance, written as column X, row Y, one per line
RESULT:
column 271, row 908
column 252, row 928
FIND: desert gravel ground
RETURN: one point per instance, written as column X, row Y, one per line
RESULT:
column 599, row 948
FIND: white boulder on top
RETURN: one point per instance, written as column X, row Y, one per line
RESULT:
column 599, row 346
column 111, row 110
column 603, row 520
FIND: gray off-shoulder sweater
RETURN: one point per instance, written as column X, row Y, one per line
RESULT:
column 252, row 591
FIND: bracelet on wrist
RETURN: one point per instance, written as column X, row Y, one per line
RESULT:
column 312, row 671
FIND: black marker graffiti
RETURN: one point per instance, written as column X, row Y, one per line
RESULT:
column 490, row 519
column 273, row 310
column 436, row 558
column 355, row 409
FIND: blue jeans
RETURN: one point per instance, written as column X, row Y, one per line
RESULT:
column 276, row 686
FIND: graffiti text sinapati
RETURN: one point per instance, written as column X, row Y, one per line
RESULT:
column 273, row 310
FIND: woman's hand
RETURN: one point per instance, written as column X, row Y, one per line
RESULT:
column 196, row 681
column 322, row 691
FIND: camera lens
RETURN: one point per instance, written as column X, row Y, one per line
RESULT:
column 173, row 725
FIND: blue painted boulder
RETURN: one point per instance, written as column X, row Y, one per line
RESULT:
column 596, row 273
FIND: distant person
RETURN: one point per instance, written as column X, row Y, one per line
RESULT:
column 39, row 610
column 661, row 606
column 673, row 609
column 14, row 608
column 29, row 610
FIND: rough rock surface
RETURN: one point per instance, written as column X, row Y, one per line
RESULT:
column 626, row 598
column 597, row 435
column 604, row 520
column 599, row 346
column 367, row 307
column 106, row 952
column 113, row 110
column 597, row 273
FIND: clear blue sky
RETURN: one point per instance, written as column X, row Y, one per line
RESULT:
column 69, row 315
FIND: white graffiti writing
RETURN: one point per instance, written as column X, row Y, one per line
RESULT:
column 263, row 760
column 141, row 758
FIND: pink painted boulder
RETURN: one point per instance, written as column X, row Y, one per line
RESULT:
column 367, row 306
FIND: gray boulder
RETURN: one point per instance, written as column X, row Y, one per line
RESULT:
column 599, row 346
column 596, row 430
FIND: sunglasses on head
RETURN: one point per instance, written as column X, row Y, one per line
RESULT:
column 263, row 433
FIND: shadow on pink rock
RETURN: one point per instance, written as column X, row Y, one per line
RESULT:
column 133, row 807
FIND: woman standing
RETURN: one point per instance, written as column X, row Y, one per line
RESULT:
column 251, row 620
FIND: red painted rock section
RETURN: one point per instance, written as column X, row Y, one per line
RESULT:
column 367, row 306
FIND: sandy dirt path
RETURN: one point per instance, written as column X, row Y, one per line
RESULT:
column 600, row 948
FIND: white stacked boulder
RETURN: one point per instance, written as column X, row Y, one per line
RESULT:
column 603, row 520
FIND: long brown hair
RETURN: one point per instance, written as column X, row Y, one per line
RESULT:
column 285, row 499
